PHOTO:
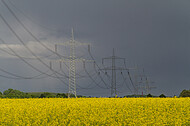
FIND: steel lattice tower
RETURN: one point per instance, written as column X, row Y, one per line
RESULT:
column 72, row 59
column 113, row 69
column 72, row 67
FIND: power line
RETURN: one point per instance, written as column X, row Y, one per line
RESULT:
column 22, row 58
column 31, row 58
column 31, row 19
column 88, row 87
column 124, row 81
column 23, row 44
column 113, row 68
column 31, row 35
column 77, row 73
column 147, row 86
column 72, row 62
column 22, row 77
column 29, row 63
column 17, row 36
column 27, row 30
column 95, row 64
column 130, row 78
column 57, row 74
column 93, row 79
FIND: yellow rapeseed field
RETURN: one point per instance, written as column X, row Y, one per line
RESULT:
column 95, row 111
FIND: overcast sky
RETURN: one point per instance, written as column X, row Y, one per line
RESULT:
column 151, row 33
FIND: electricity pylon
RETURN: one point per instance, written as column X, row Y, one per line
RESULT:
column 113, row 69
column 136, row 76
column 147, row 86
column 72, row 59
column 137, row 83
column 143, row 80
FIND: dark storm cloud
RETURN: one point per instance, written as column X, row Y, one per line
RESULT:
column 152, row 33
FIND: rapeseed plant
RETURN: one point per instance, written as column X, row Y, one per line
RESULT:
column 95, row 111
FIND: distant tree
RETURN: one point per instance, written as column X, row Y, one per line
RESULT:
column 42, row 96
column 149, row 95
column 59, row 95
column 185, row 93
column 1, row 95
column 64, row 95
column 26, row 95
column 47, row 95
column 11, row 93
column 34, row 96
column 162, row 96
column 6, row 92
column 80, row 96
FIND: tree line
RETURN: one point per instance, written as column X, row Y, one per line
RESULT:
column 11, row 93
column 185, row 93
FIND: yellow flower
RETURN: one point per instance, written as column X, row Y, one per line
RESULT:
column 95, row 111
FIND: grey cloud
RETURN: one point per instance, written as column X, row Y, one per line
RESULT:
column 152, row 33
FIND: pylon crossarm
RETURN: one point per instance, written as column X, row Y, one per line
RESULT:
column 121, row 68
column 79, row 43
column 72, row 60
column 88, row 60
column 63, row 60
column 75, row 60
column 116, row 57
column 64, row 44
column 111, row 57
column 71, row 42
